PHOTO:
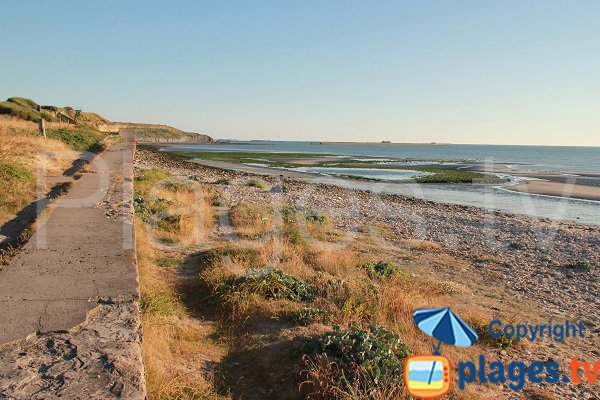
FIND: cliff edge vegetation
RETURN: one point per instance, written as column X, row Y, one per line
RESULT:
column 22, row 108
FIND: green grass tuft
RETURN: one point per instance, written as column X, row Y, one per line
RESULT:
column 161, row 303
column 257, row 182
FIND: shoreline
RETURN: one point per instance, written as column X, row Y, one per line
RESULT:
column 403, row 189
column 557, row 189
column 583, row 186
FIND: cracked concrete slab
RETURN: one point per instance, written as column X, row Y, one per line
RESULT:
column 97, row 359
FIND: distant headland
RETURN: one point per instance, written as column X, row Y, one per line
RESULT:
column 388, row 143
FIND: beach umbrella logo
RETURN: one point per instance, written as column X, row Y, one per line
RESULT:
column 428, row 376
column 445, row 326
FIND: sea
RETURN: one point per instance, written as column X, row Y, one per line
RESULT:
column 568, row 160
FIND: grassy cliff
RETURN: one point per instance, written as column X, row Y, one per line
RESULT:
column 29, row 110
column 163, row 133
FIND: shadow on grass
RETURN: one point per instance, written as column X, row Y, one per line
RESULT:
column 262, row 362
column 17, row 230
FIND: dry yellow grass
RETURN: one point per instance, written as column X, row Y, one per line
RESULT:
column 422, row 245
column 251, row 221
column 342, row 262
column 19, row 143
column 345, row 293
column 176, row 348
column 186, row 216
column 20, row 147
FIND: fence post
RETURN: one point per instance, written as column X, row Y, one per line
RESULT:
column 42, row 127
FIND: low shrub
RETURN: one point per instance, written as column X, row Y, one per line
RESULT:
column 381, row 269
column 582, row 265
column 279, row 189
column 292, row 214
column 165, row 262
column 375, row 351
column 256, row 182
column 78, row 140
column 518, row 245
column 222, row 181
column 150, row 175
column 244, row 255
column 270, row 284
column 251, row 220
column 18, row 111
column 501, row 341
column 174, row 186
column 149, row 209
column 307, row 315
column 14, row 172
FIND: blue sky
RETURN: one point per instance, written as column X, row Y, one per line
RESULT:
column 510, row 72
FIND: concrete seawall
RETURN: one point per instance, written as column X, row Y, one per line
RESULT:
column 69, row 317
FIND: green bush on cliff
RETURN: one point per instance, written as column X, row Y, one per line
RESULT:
column 78, row 140
column 18, row 111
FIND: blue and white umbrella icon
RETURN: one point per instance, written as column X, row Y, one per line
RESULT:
column 445, row 326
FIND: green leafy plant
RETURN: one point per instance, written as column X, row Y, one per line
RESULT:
column 270, row 284
column 375, row 351
column 149, row 209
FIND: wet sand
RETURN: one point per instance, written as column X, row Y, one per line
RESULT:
column 559, row 189
column 561, row 186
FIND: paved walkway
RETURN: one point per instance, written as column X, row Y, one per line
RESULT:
column 81, row 252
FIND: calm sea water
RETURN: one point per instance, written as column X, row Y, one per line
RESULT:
column 538, row 158
column 534, row 158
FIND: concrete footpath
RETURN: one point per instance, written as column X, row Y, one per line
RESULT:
column 69, row 318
